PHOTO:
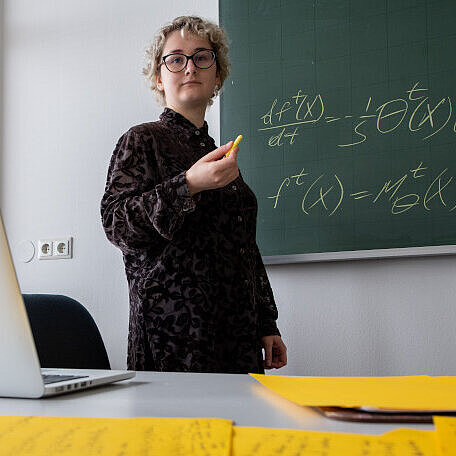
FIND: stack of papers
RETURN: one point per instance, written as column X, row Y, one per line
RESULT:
column 415, row 393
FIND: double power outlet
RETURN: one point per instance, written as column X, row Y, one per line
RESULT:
column 54, row 249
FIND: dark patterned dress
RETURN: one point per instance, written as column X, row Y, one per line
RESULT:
column 200, row 299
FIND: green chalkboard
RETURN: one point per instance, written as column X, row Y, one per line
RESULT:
column 347, row 108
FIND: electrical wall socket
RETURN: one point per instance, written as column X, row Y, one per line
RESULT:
column 44, row 248
column 54, row 249
column 61, row 248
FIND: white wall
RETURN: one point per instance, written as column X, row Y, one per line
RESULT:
column 370, row 317
column 72, row 86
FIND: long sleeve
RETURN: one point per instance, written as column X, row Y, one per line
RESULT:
column 265, row 299
column 137, row 208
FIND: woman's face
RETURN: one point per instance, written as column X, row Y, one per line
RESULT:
column 192, row 87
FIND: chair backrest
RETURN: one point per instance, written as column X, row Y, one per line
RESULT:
column 65, row 333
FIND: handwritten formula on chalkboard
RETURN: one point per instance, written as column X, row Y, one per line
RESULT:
column 415, row 110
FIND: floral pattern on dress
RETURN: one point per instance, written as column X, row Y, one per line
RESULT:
column 200, row 299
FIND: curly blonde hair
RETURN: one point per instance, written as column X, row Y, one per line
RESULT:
column 195, row 25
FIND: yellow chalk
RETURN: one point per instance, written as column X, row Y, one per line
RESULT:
column 236, row 142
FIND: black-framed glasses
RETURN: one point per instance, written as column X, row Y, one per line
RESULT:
column 203, row 59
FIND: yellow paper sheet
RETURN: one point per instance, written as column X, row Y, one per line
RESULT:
column 446, row 435
column 63, row 436
column 410, row 393
column 284, row 442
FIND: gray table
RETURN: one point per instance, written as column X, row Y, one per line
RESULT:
column 164, row 394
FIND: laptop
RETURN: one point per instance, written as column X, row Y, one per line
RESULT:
column 22, row 375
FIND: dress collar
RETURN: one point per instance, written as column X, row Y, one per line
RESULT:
column 174, row 119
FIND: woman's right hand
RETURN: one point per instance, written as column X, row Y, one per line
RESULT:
column 210, row 172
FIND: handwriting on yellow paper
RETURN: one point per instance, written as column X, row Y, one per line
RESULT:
column 63, row 436
column 271, row 442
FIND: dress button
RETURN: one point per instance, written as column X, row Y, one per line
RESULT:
column 233, row 187
column 202, row 144
column 239, row 218
column 197, row 132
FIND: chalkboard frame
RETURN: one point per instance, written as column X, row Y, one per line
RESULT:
column 343, row 255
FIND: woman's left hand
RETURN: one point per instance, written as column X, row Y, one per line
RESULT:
column 275, row 352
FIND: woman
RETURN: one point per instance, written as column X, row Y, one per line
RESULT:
column 185, row 222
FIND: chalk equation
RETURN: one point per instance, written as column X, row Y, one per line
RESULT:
column 422, row 116
column 326, row 192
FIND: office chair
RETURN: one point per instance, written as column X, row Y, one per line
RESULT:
column 65, row 333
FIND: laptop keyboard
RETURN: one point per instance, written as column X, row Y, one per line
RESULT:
column 48, row 378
